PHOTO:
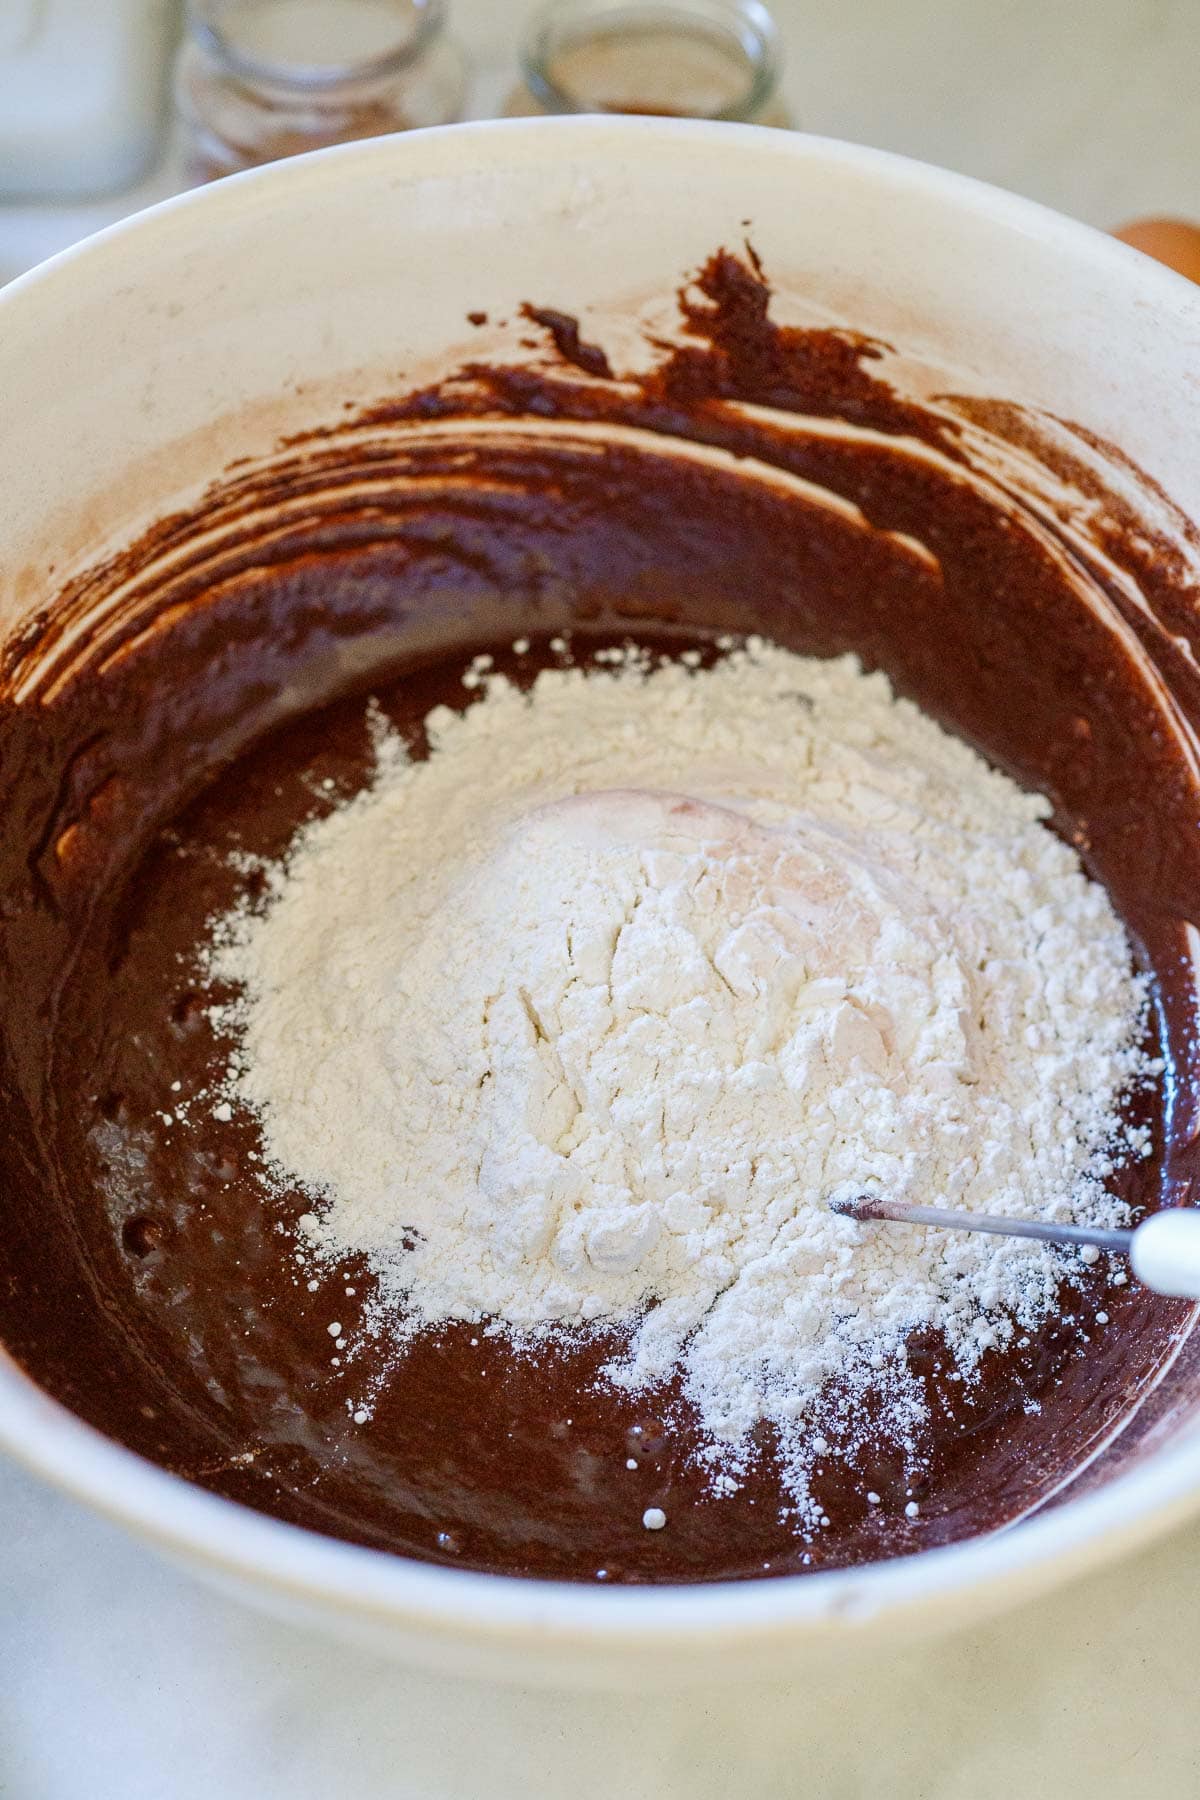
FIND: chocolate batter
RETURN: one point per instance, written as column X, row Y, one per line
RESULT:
column 198, row 697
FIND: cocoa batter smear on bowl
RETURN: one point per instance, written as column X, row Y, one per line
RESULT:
column 476, row 889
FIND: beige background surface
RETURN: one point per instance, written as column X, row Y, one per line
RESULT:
column 121, row 1680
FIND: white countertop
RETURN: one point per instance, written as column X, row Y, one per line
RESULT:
column 1087, row 105
column 122, row 1680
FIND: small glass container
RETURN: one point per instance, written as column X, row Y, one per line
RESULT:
column 261, row 79
column 701, row 59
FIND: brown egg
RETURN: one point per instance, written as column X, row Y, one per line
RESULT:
column 1170, row 241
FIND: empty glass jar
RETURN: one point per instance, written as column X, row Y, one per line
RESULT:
column 706, row 59
column 261, row 79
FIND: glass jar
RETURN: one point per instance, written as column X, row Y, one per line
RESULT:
column 261, row 79
column 702, row 59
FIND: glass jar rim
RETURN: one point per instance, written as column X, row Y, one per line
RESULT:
column 310, row 78
column 749, row 23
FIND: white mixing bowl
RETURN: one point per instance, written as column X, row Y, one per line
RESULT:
column 138, row 365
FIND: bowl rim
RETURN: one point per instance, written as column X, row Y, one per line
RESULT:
column 237, row 1541
column 226, row 1538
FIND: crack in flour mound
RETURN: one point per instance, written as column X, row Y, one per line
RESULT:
column 585, row 1018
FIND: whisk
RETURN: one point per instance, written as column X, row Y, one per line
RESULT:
column 1163, row 1251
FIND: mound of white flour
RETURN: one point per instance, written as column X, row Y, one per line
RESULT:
column 588, row 1015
